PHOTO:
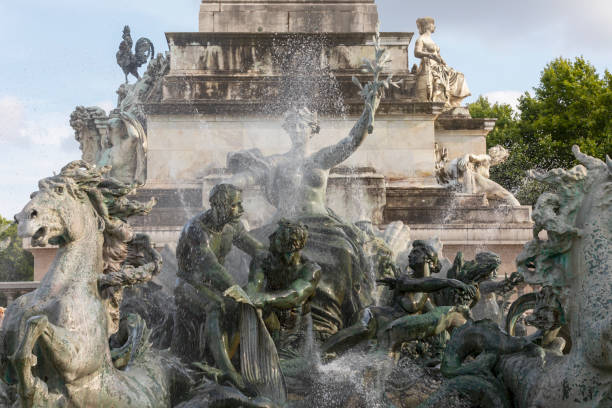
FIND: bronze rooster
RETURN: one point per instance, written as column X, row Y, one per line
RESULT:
column 129, row 61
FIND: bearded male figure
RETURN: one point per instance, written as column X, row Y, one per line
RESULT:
column 204, row 316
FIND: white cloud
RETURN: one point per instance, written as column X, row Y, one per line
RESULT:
column 34, row 144
column 24, row 124
column 507, row 97
column 12, row 117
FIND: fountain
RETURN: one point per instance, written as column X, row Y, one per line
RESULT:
column 298, row 286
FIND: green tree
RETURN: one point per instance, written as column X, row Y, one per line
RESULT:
column 512, row 173
column 16, row 264
column 571, row 105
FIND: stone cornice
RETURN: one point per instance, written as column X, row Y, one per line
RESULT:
column 202, row 38
column 386, row 108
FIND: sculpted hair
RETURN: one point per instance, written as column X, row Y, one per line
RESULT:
column 292, row 235
column 108, row 197
column 303, row 116
column 221, row 193
column 422, row 251
column 423, row 22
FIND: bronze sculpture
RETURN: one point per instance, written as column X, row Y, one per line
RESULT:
column 56, row 337
column 204, row 243
column 412, row 315
column 283, row 284
column 295, row 184
column 130, row 61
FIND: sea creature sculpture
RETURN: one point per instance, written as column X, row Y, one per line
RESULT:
column 54, row 342
column 411, row 314
column 575, row 263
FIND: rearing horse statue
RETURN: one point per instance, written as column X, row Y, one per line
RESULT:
column 54, row 341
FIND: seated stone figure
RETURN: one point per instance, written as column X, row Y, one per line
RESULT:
column 411, row 314
column 283, row 284
column 118, row 140
column 436, row 81
column 204, row 317
column 470, row 174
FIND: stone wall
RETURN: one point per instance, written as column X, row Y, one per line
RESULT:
column 283, row 16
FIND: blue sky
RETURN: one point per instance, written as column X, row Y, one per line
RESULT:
column 60, row 54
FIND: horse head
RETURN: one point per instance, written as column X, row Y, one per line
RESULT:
column 60, row 211
column 574, row 263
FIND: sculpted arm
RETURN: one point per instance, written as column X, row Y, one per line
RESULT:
column 501, row 287
column 246, row 242
column 427, row 285
column 299, row 291
column 257, row 279
column 419, row 52
column 331, row 156
column 201, row 264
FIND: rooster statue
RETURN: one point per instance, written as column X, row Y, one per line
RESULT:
column 130, row 62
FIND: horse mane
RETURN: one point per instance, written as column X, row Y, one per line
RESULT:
column 108, row 197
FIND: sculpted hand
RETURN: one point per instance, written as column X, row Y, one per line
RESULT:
column 259, row 300
column 457, row 284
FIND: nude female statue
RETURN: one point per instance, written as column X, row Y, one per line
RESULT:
column 436, row 81
column 295, row 183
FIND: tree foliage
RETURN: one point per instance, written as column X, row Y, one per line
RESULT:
column 16, row 264
column 572, row 104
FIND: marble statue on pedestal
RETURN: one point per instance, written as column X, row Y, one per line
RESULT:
column 119, row 139
column 470, row 174
column 436, row 81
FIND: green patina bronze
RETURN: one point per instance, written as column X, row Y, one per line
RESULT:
column 55, row 340
column 206, row 321
column 574, row 266
column 411, row 315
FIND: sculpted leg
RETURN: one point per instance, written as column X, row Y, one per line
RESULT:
column 495, row 191
column 217, row 344
column 33, row 392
